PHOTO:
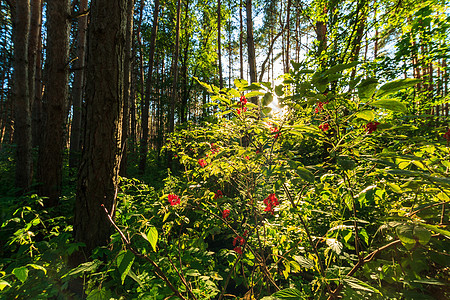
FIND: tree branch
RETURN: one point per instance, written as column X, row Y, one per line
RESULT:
column 158, row 270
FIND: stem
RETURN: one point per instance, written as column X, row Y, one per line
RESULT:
column 308, row 234
column 158, row 270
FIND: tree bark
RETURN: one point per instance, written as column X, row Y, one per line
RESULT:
column 34, row 45
column 99, row 169
column 145, row 109
column 251, row 47
column 241, row 42
column 288, row 35
column 127, row 88
column 219, row 41
column 175, row 70
column 77, row 89
column 55, row 101
column 21, row 95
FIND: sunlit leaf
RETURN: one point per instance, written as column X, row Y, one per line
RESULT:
column 390, row 104
column 21, row 273
column 125, row 260
column 152, row 237
column 3, row 284
column 97, row 294
column 304, row 262
column 367, row 115
column 334, row 245
column 422, row 234
column 289, row 294
column 396, row 85
column 38, row 267
column 267, row 99
column 357, row 284
column 367, row 87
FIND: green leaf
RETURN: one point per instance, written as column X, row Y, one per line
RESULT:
column 335, row 245
column 406, row 236
column 152, row 237
column 295, row 65
column 38, row 267
column 305, row 174
column 357, row 284
column 135, row 278
column 193, row 272
column 3, row 284
column 422, row 234
column 340, row 68
column 396, row 85
column 205, row 85
column 367, row 87
column 390, row 104
column 125, row 260
column 97, row 294
column 289, row 294
column 267, row 99
column 234, row 93
column 279, row 90
column 434, row 228
column 85, row 267
column 254, row 94
column 305, row 262
column 367, row 115
column 240, row 83
column 266, row 110
column 21, row 273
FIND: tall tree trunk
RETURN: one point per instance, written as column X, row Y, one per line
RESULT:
column 219, row 41
column 184, row 72
column 36, row 108
column 288, row 35
column 145, row 109
column 51, row 150
column 321, row 32
column 99, row 168
column 127, row 88
column 77, row 89
column 34, row 45
column 241, row 42
column 21, row 96
column 175, row 70
column 251, row 46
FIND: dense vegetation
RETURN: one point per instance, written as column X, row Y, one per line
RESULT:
column 330, row 181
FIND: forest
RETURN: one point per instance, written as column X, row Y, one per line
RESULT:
column 226, row 149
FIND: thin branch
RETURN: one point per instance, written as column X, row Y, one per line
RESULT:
column 158, row 270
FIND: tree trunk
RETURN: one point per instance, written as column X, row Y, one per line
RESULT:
column 34, row 45
column 36, row 109
column 321, row 32
column 55, row 101
column 127, row 88
column 219, row 40
column 251, row 46
column 77, row 89
column 184, row 72
column 241, row 42
column 288, row 35
column 99, row 168
column 175, row 70
column 21, row 96
column 145, row 109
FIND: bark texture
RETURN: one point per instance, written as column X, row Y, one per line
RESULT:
column 55, row 101
column 21, row 96
column 77, row 89
column 98, row 175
